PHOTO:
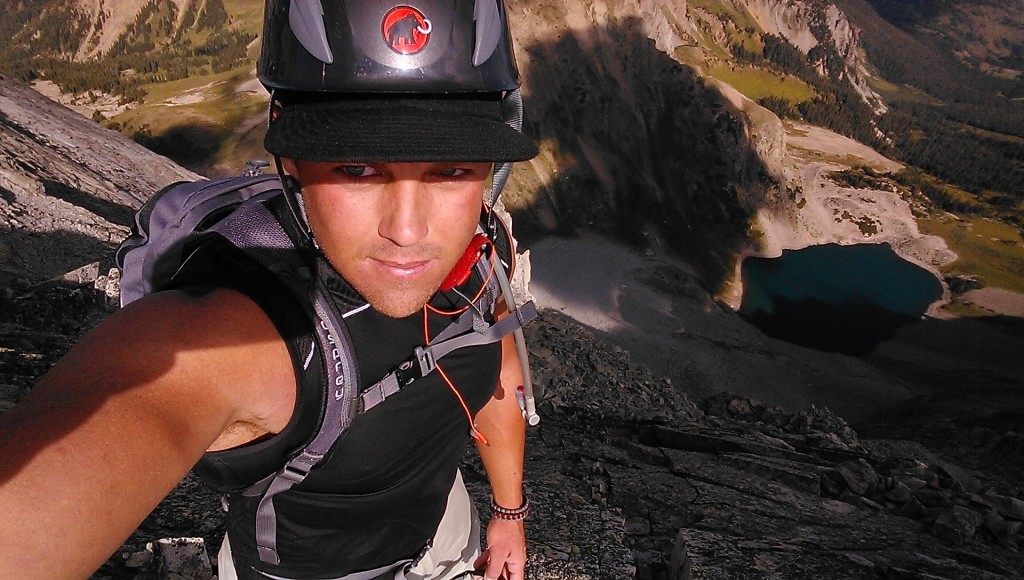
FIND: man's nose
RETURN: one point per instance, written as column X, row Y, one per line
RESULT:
column 404, row 219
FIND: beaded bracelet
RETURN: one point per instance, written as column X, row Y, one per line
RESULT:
column 503, row 513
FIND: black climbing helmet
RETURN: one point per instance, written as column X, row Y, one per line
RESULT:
column 361, row 80
column 361, row 46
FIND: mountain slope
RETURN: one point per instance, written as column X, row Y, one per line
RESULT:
column 647, row 110
column 69, row 187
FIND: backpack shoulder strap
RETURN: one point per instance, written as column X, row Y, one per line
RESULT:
column 339, row 359
column 255, row 229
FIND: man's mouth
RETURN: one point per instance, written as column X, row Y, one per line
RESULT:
column 401, row 269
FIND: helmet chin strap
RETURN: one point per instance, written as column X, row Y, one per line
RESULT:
column 293, row 199
column 292, row 190
column 512, row 110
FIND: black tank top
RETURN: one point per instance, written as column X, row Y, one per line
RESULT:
column 380, row 494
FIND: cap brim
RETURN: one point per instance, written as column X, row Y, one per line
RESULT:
column 396, row 131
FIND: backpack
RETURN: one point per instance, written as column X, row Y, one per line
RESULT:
column 161, row 241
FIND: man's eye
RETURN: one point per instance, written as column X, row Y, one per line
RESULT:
column 452, row 172
column 358, row 170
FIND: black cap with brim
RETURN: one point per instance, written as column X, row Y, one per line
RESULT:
column 395, row 128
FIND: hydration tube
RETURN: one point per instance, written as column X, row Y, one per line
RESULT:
column 529, row 403
column 512, row 110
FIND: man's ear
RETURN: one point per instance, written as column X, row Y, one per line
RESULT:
column 275, row 110
column 290, row 167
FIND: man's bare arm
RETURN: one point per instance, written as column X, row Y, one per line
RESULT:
column 110, row 430
column 502, row 422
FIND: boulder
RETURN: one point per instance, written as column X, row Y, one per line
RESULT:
column 957, row 525
column 859, row 476
column 183, row 559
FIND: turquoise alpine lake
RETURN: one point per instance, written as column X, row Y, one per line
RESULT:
column 837, row 298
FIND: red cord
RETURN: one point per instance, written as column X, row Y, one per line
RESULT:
column 479, row 293
column 477, row 435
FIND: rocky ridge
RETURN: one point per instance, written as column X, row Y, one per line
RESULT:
column 795, row 21
column 734, row 488
column 631, row 479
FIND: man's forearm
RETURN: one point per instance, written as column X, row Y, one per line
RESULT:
column 503, row 458
column 501, row 421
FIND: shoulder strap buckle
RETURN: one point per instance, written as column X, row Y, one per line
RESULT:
column 426, row 359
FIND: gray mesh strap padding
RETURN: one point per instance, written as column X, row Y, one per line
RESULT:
column 254, row 229
column 490, row 297
column 151, row 256
column 512, row 109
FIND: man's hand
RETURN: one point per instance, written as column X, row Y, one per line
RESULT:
column 505, row 556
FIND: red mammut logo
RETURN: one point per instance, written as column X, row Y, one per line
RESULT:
column 406, row 30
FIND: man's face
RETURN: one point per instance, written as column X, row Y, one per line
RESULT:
column 393, row 230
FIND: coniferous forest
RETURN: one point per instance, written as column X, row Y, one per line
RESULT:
column 968, row 129
column 40, row 40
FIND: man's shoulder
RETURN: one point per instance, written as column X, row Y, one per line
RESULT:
column 214, row 309
column 216, row 341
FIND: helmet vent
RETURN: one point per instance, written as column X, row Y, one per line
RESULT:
column 488, row 30
column 435, row 47
column 306, row 18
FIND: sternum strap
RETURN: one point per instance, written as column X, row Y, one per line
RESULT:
column 425, row 358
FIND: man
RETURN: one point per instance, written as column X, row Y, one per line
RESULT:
column 388, row 120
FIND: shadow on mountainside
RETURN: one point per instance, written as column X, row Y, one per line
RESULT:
column 113, row 212
column 637, row 147
column 34, row 256
column 191, row 145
